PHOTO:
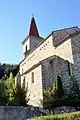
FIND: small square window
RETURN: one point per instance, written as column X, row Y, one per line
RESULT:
column 26, row 47
column 69, row 68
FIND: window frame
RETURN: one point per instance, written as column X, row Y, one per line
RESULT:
column 26, row 48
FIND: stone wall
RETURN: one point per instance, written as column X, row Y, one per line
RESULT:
column 58, row 110
column 18, row 112
column 26, row 113
column 44, row 51
column 51, row 68
column 67, row 50
column 64, row 109
column 34, row 88
column 47, row 49
column 75, row 44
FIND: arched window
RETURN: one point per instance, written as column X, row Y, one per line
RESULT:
column 32, row 77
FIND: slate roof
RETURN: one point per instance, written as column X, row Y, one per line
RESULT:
column 60, row 35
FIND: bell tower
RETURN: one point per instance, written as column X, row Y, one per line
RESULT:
column 32, row 40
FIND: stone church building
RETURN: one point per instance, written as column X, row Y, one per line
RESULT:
column 45, row 58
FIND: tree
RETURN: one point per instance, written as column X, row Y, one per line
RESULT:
column 59, row 88
column 21, row 97
column 5, row 69
column 11, row 95
column 51, row 95
column 47, row 98
column 3, row 94
column 74, row 88
column 10, row 88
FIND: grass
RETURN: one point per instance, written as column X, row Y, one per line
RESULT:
column 67, row 116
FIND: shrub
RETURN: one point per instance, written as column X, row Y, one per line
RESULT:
column 11, row 95
column 51, row 95
column 74, row 88
column 20, row 97
column 59, row 88
column 48, row 95
column 10, row 88
column 3, row 94
column 55, row 97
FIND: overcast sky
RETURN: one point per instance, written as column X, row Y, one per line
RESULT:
column 15, row 16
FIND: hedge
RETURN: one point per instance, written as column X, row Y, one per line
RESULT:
column 64, row 102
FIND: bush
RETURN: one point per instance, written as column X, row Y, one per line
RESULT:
column 66, row 102
column 3, row 94
column 11, row 95
column 48, row 96
column 51, row 95
column 59, row 88
column 20, row 96
column 55, row 97
column 10, row 88
column 74, row 88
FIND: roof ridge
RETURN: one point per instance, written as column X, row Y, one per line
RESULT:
column 65, row 29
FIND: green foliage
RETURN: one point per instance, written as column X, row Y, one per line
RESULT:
column 59, row 87
column 51, row 95
column 11, row 95
column 10, row 88
column 67, row 116
column 5, row 69
column 3, row 93
column 56, row 97
column 7, row 90
column 21, row 96
column 74, row 88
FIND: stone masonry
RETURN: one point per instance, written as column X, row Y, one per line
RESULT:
column 59, row 53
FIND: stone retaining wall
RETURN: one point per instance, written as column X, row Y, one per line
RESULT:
column 18, row 112
column 58, row 110
column 26, row 113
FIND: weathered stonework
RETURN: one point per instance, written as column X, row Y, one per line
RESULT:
column 58, row 110
column 75, row 45
column 35, row 89
column 18, row 112
column 59, row 53
column 52, row 68
column 28, row 113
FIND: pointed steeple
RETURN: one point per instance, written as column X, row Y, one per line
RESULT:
column 33, row 28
